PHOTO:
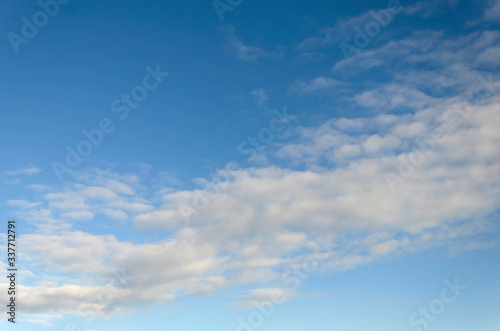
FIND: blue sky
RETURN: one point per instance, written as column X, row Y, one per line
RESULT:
column 237, row 165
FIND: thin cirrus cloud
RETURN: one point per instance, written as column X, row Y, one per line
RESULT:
column 234, row 45
column 430, row 8
column 426, row 48
column 22, row 171
column 344, row 28
column 16, row 176
column 248, row 301
column 316, row 85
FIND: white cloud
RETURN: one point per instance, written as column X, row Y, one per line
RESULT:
column 342, row 30
column 376, row 143
column 81, row 215
column 115, row 214
column 261, row 97
column 430, row 8
column 23, row 204
column 245, row 52
column 113, row 199
column 316, row 85
column 266, row 220
column 23, row 171
column 38, row 187
column 345, row 28
column 442, row 62
column 41, row 319
column 493, row 13
column 393, row 96
column 490, row 56
column 257, row 297
column 69, row 252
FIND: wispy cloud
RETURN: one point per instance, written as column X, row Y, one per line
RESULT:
column 234, row 45
column 256, row 297
column 493, row 13
column 261, row 98
column 316, row 85
column 429, row 8
column 22, row 171
column 393, row 96
column 23, row 204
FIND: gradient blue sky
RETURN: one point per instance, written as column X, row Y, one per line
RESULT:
column 433, row 68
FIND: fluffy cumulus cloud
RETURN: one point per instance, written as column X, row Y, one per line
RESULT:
column 446, row 170
column 418, row 171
